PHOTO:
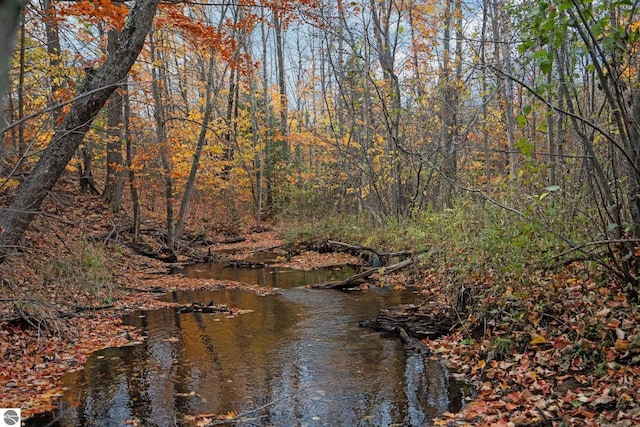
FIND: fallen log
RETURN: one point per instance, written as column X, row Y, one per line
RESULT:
column 197, row 307
column 236, row 239
column 417, row 322
column 240, row 263
column 211, row 308
column 414, row 344
column 373, row 256
column 357, row 279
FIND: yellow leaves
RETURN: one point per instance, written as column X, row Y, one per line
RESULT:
column 9, row 183
column 537, row 340
column 621, row 345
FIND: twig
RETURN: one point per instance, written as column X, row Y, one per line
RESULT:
column 598, row 243
column 58, row 236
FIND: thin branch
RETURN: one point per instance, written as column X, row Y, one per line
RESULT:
column 242, row 416
column 59, row 105
column 587, row 122
column 597, row 243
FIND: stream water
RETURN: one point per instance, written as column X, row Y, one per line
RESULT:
column 298, row 359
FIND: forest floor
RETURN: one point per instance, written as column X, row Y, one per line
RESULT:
column 559, row 348
column 562, row 349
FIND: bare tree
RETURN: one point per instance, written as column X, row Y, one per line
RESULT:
column 202, row 140
column 158, row 73
column 114, row 181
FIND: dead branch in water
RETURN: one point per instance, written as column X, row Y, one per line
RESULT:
column 357, row 279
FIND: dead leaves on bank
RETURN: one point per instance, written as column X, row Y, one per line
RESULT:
column 564, row 351
column 32, row 366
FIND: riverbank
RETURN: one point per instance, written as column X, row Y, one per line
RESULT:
column 563, row 350
column 541, row 347
column 59, row 305
column 537, row 356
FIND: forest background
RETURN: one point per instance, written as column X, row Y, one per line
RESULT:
column 502, row 138
column 390, row 111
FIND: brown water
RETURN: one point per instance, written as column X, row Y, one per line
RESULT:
column 299, row 359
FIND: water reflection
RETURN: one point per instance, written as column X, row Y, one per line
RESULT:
column 270, row 276
column 297, row 359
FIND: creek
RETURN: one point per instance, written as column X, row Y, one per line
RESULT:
column 297, row 359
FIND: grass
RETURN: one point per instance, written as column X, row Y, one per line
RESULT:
column 472, row 236
column 85, row 272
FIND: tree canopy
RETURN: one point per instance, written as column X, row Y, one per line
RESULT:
column 389, row 109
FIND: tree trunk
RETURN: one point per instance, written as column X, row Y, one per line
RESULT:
column 22, row 146
column 258, row 160
column 448, row 113
column 161, row 139
column 268, row 143
column 551, row 143
column 279, row 33
column 53, row 50
column 202, row 140
column 503, row 64
column 135, row 199
column 113, row 184
column 485, row 97
column 231, row 119
column 85, row 169
column 15, row 218
column 10, row 12
column 386, row 50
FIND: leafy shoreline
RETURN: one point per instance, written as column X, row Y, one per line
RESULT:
column 559, row 347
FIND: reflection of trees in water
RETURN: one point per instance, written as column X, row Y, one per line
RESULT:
column 228, row 361
column 301, row 355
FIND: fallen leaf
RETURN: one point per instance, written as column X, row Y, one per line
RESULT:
column 538, row 340
column 621, row 345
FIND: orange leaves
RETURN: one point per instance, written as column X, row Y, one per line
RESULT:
column 98, row 11
column 200, row 32
column 33, row 366
column 207, row 37
column 575, row 359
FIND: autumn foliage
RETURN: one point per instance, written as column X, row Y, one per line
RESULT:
column 504, row 132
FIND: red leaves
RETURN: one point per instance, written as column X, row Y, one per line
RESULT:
column 573, row 340
column 32, row 366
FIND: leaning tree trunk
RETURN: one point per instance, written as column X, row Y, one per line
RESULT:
column 202, row 140
column 15, row 218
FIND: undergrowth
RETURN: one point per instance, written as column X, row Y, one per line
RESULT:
column 79, row 277
column 472, row 237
